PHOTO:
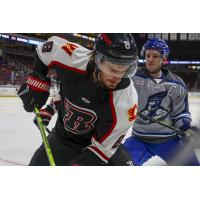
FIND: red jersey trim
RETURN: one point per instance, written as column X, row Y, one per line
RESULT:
column 67, row 67
column 114, row 118
column 106, row 39
column 37, row 84
column 45, row 113
column 99, row 152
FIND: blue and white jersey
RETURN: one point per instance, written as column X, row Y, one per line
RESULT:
column 165, row 99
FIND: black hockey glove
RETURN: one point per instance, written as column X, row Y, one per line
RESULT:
column 35, row 91
column 45, row 116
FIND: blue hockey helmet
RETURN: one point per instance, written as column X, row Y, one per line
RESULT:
column 156, row 44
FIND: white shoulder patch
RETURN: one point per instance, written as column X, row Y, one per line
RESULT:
column 60, row 51
column 125, row 103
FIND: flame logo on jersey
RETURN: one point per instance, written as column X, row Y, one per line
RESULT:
column 132, row 113
column 69, row 48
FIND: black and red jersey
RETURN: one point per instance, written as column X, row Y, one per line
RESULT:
column 91, row 117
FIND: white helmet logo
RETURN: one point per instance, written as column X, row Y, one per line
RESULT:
column 127, row 45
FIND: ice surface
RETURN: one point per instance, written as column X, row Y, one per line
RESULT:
column 19, row 137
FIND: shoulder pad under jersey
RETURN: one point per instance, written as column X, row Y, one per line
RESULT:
column 60, row 51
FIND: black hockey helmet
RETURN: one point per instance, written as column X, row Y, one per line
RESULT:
column 117, row 48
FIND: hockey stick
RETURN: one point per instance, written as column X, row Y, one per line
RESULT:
column 44, row 138
column 192, row 141
column 178, row 131
column 195, row 131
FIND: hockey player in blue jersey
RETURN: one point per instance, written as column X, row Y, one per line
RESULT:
column 162, row 95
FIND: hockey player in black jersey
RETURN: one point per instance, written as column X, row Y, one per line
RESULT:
column 98, row 100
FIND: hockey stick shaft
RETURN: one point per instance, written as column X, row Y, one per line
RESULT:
column 44, row 138
column 178, row 131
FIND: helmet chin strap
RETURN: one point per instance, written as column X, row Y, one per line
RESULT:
column 155, row 73
column 158, row 70
column 96, row 73
column 98, row 81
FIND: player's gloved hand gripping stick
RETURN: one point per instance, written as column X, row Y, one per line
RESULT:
column 178, row 131
column 193, row 132
column 44, row 138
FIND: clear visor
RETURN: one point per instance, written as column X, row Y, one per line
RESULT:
column 116, row 68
